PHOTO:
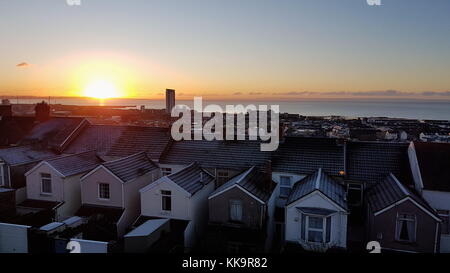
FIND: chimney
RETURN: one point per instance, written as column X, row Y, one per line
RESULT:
column 42, row 111
column 5, row 111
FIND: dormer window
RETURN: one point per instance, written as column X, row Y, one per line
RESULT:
column 285, row 186
column 46, row 184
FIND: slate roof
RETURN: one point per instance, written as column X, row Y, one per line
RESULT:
column 131, row 167
column 390, row 191
column 434, row 164
column 25, row 154
column 237, row 155
column 253, row 181
column 305, row 155
column 371, row 162
column 53, row 131
column 189, row 178
column 319, row 181
column 121, row 141
column 95, row 137
column 69, row 165
column 136, row 139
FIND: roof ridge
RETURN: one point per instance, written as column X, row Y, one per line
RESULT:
column 319, row 176
column 122, row 158
column 68, row 155
column 402, row 188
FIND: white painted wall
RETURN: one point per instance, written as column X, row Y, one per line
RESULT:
column 13, row 238
column 89, row 189
column 151, row 204
column 316, row 200
column 64, row 189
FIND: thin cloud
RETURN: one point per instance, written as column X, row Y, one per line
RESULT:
column 237, row 93
column 384, row 93
column 23, row 65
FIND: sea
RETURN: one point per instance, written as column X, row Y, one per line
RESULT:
column 394, row 108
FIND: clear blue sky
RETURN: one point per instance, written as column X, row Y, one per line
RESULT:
column 268, row 48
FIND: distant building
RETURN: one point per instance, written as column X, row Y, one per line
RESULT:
column 170, row 100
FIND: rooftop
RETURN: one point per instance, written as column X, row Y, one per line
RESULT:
column 69, row 165
column 434, row 164
column 319, row 181
column 192, row 178
column 252, row 180
column 25, row 154
column 131, row 167
column 390, row 191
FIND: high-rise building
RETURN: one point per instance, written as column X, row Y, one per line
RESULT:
column 170, row 100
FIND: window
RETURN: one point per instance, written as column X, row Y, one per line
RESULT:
column 46, row 183
column 355, row 194
column 406, row 228
column 236, row 210
column 315, row 229
column 166, row 171
column 285, row 186
column 103, row 191
column 445, row 225
column 222, row 177
column 166, row 200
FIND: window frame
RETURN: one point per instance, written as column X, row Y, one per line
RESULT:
column 100, row 191
column 166, row 171
column 221, row 178
column 46, row 179
column 397, row 231
column 166, row 194
column 284, row 186
column 231, row 204
column 326, row 229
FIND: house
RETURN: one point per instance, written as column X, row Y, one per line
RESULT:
column 399, row 219
column 182, row 195
column 241, row 213
column 431, row 175
column 110, row 193
column 316, row 213
column 57, row 182
column 15, row 162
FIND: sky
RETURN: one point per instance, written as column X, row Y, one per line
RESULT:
column 284, row 49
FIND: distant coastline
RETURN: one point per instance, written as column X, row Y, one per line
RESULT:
column 358, row 107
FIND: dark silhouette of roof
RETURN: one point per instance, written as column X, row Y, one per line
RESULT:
column 319, row 181
column 371, row 162
column 131, row 167
column 53, row 131
column 121, row 141
column 254, row 181
column 25, row 154
column 390, row 191
column 192, row 178
column 69, row 165
column 13, row 129
column 303, row 155
column 434, row 164
column 237, row 155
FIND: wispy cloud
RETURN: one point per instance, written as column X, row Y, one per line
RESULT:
column 23, row 65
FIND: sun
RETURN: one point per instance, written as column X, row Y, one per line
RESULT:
column 101, row 89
